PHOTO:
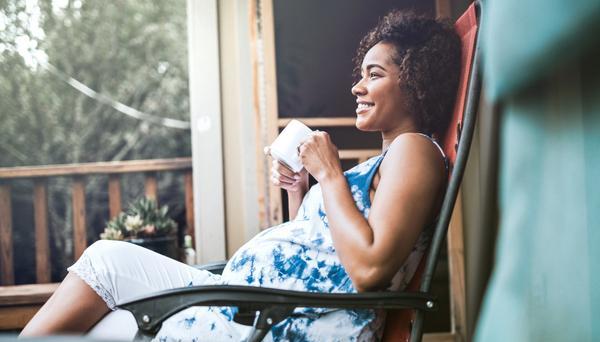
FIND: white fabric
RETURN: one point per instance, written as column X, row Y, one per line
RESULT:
column 120, row 271
column 118, row 325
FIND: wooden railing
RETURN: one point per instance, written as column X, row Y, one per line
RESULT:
column 77, row 172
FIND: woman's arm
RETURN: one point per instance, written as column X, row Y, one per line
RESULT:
column 411, row 180
column 296, row 185
column 294, row 202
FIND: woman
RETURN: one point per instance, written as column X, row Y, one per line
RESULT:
column 362, row 230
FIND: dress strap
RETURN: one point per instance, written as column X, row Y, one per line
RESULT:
column 446, row 163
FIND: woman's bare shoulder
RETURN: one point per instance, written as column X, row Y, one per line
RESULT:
column 415, row 155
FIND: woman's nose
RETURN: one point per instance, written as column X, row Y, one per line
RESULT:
column 358, row 88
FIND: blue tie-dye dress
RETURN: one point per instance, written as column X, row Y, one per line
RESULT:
column 296, row 255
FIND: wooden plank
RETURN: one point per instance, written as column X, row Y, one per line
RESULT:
column 78, row 202
column 114, row 195
column 361, row 155
column 189, row 204
column 15, row 318
column 7, row 275
column 26, row 294
column 151, row 186
column 456, row 263
column 270, row 93
column 19, row 303
column 320, row 122
column 439, row 337
column 42, row 249
column 262, row 162
column 96, row 168
column 443, row 9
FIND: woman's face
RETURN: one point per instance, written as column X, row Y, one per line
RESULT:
column 381, row 102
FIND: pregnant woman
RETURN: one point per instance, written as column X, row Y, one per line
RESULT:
column 361, row 230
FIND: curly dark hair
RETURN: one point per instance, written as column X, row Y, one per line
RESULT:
column 428, row 53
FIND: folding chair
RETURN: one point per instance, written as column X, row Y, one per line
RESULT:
column 265, row 307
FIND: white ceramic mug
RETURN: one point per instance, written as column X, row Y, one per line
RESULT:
column 285, row 147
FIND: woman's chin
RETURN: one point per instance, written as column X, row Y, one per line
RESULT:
column 362, row 125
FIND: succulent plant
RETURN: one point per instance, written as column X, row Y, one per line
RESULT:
column 143, row 218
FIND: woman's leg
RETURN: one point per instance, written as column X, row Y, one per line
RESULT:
column 74, row 307
column 108, row 272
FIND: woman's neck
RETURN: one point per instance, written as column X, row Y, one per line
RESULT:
column 389, row 136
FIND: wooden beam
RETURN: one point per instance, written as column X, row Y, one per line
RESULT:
column 360, row 155
column 270, row 94
column 78, row 202
column 439, row 337
column 19, row 303
column 260, row 115
column 189, row 204
column 15, row 318
column 96, row 168
column 320, row 122
column 443, row 9
column 7, row 275
column 26, row 294
column 42, row 249
column 114, row 195
column 456, row 263
column 151, row 186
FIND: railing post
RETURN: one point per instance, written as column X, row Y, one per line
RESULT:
column 42, row 250
column 114, row 195
column 7, row 275
column 189, row 204
column 78, row 201
column 151, row 186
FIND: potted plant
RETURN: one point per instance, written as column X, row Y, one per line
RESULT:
column 146, row 225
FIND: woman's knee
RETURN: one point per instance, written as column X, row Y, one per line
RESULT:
column 107, row 247
column 110, row 251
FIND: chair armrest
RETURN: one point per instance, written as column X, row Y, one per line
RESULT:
column 151, row 311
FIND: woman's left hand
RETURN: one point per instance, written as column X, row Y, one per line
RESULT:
column 320, row 156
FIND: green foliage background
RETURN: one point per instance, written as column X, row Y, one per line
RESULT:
column 133, row 51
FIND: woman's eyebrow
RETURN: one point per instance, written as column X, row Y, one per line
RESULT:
column 371, row 66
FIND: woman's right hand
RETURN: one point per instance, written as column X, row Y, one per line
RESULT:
column 285, row 178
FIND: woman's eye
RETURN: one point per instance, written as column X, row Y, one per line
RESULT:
column 373, row 75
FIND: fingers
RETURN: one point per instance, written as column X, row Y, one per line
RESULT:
column 282, row 175
column 285, row 184
column 314, row 137
column 281, row 182
column 282, row 169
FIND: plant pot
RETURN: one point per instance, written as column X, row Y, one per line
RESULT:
column 165, row 245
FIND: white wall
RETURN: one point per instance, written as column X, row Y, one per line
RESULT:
column 223, row 121
column 205, row 107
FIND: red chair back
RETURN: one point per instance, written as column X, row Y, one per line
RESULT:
column 398, row 322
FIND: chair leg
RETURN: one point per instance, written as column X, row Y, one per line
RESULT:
column 416, row 333
column 257, row 335
column 141, row 336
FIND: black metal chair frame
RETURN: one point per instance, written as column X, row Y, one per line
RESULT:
column 265, row 307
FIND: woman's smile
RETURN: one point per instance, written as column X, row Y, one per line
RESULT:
column 363, row 106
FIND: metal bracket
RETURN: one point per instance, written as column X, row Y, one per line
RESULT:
column 266, row 319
